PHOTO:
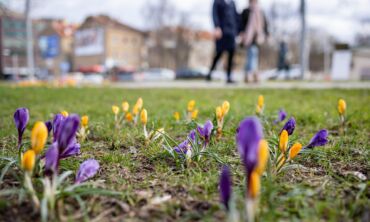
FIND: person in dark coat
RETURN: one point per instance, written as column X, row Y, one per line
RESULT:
column 254, row 31
column 226, row 22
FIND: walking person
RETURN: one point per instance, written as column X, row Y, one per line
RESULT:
column 225, row 19
column 254, row 32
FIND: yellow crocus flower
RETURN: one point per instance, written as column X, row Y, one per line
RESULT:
column 144, row 116
column 342, row 106
column 176, row 115
column 261, row 101
column 125, row 106
column 129, row 117
column 194, row 114
column 84, row 120
column 191, row 105
column 115, row 110
column 39, row 135
column 64, row 113
column 283, row 141
column 219, row 113
column 28, row 160
column 135, row 110
column 263, row 155
column 254, row 185
column 140, row 103
column 225, row 107
column 295, row 150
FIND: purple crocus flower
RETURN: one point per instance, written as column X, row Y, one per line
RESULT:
column 52, row 159
column 319, row 139
column 205, row 132
column 289, row 126
column 65, row 142
column 71, row 150
column 281, row 116
column 87, row 170
column 183, row 147
column 49, row 126
column 225, row 186
column 68, row 131
column 248, row 139
column 57, row 124
column 21, row 117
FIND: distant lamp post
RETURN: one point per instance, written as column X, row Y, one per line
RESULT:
column 303, row 49
column 30, row 59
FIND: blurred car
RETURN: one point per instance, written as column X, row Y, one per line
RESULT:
column 190, row 74
column 154, row 74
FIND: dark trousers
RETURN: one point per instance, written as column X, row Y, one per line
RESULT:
column 229, row 63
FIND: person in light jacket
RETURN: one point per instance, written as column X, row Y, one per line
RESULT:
column 226, row 22
column 254, row 32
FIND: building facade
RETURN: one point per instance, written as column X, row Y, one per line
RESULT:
column 105, row 42
column 54, row 47
column 13, row 44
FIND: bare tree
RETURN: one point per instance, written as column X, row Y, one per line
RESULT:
column 169, row 35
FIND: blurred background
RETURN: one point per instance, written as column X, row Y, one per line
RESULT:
column 94, row 41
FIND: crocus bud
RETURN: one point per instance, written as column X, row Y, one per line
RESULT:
column 319, row 139
column 295, row 150
column 129, row 117
column 289, row 126
column 263, row 155
column 225, row 107
column 283, row 141
column 191, row 105
column 254, row 185
column 39, row 136
column 84, row 121
column 125, row 106
column 194, row 114
column 144, row 116
column 21, row 117
column 115, row 110
column 342, row 107
column 64, row 113
column 219, row 113
column 87, row 170
column 28, row 160
column 261, row 101
column 135, row 110
column 139, row 103
column 176, row 115
column 225, row 186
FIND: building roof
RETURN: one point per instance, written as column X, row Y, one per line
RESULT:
column 105, row 20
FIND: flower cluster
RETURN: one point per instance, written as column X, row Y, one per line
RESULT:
column 64, row 144
column 286, row 151
column 192, row 111
column 221, row 112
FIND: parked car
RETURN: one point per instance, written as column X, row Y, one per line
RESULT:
column 155, row 74
column 190, row 74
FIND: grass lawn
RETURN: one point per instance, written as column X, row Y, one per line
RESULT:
column 326, row 188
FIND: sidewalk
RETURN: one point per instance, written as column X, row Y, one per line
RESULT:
column 263, row 85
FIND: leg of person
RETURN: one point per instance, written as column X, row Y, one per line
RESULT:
column 230, row 64
column 248, row 64
column 255, row 63
column 214, row 63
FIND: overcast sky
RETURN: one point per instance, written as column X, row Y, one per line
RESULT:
column 340, row 18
